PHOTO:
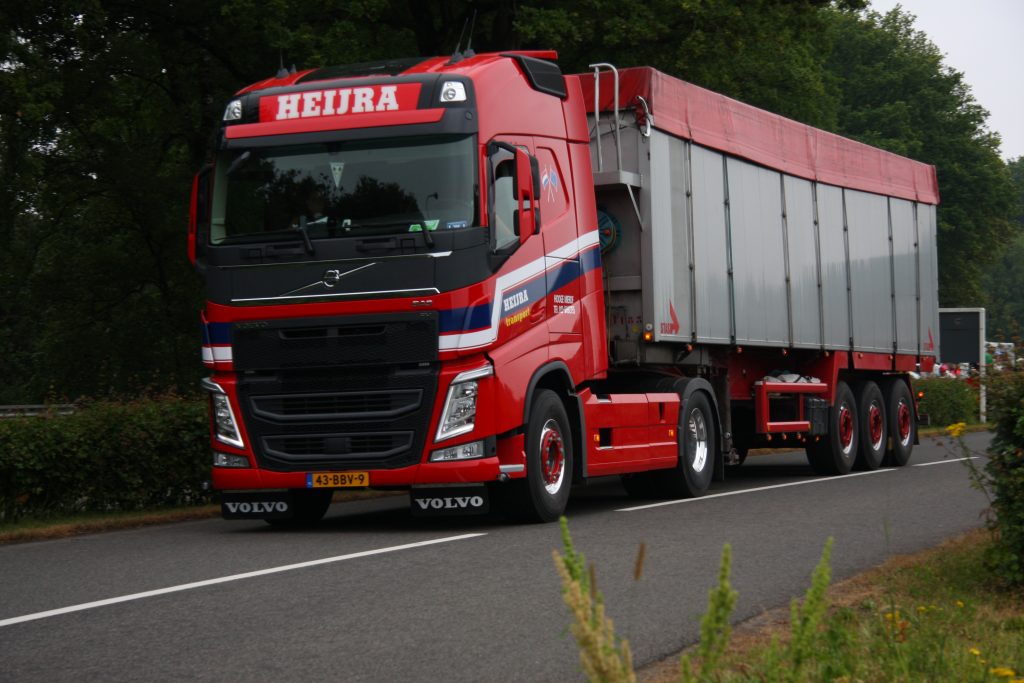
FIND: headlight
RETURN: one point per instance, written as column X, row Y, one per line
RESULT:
column 459, row 415
column 466, row 451
column 225, row 427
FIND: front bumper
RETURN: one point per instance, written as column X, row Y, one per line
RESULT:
column 468, row 471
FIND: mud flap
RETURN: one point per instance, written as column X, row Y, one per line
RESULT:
column 256, row 505
column 449, row 501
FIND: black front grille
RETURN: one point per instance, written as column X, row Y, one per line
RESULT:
column 342, row 446
column 340, row 393
column 364, row 405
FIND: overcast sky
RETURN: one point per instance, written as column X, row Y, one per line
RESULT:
column 983, row 39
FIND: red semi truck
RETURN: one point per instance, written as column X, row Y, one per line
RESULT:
column 483, row 281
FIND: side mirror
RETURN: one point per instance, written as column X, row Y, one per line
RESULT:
column 527, row 192
column 199, row 212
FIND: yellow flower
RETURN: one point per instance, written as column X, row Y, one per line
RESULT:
column 921, row 609
column 975, row 651
column 959, row 603
column 957, row 429
column 1002, row 672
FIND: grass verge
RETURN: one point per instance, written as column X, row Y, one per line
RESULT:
column 931, row 616
column 44, row 528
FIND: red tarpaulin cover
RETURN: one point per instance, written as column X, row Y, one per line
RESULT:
column 727, row 125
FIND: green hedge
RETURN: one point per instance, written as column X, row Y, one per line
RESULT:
column 1004, row 476
column 947, row 401
column 106, row 456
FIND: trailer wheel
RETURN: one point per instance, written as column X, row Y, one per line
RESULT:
column 871, row 425
column 836, row 453
column 692, row 474
column 899, row 408
column 543, row 494
column 308, row 507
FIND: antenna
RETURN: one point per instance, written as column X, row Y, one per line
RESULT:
column 457, row 55
column 458, row 47
column 281, row 71
column 469, row 42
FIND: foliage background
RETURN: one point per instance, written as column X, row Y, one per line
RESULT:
column 106, row 456
column 109, row 107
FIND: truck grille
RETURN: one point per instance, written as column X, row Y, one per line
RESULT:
column 343, row 407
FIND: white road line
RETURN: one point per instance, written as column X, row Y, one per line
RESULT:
column 943, row 462
column 226, row 579
column 753, row 490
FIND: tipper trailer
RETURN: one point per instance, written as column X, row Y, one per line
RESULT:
column 483, row 281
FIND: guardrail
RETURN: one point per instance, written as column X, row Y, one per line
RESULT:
column 36, row 410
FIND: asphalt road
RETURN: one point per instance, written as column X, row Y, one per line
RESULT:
column 375, row 595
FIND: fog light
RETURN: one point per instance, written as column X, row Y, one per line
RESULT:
column 229, row 460
column 466, row 451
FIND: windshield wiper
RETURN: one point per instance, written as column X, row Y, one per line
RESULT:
column 305, row 235
column 239, row 160
column 427, row 237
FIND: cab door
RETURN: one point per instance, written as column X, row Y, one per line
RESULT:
column 561, row 246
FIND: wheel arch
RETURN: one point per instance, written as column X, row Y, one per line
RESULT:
column 556, row 377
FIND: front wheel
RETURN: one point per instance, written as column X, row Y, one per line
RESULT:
column 543, row 495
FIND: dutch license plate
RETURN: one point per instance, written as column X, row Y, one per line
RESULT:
column 334, row 480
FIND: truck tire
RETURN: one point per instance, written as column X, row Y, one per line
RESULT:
column 836, row 453
column 543, row 494
column 308, row 508
column 691, row 476
column 899, row 408
column 871, row 425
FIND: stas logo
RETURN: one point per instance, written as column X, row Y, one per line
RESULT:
column 339, row 102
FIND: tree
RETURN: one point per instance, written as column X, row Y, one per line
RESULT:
column 1004, row 282
column 895, row 92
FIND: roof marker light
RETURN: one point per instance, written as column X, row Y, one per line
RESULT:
column 233, row 112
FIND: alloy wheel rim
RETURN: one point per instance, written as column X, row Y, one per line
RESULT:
column 552, row 457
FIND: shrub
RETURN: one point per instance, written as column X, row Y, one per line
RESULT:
column 106, row 456
column 1004, row 476
column 947, row 401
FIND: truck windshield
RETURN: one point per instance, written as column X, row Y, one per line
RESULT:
column 340, row 189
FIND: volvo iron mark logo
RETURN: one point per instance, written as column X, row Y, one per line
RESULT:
column 333, row 275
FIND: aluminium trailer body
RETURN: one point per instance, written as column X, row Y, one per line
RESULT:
column 743, row 245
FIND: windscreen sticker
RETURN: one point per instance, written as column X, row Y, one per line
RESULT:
column 337, row 167
column 431, row 225
column 455, row 225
